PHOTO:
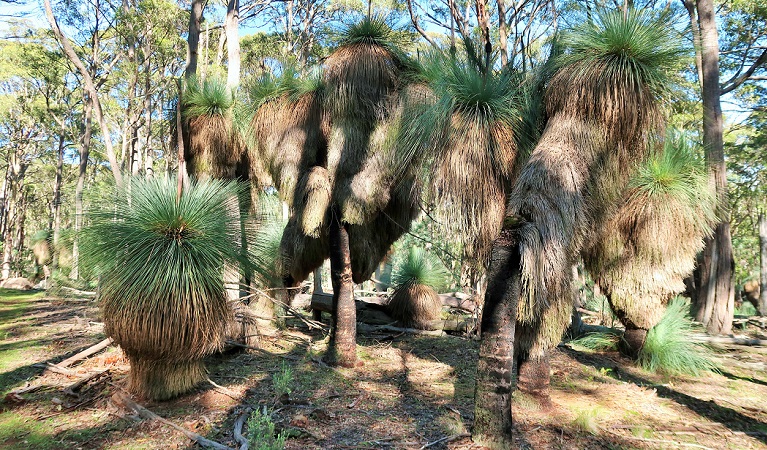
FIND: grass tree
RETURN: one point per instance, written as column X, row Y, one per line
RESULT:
column 160, row 258
column 348, row 201
column 648, row 246
column 604, row 102
column 215, row 148
column 464, row 132
column 416, row 280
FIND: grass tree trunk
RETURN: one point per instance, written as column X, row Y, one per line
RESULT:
column 716, row 299
column 342, row 349
column 492, row 396
column 762, row 264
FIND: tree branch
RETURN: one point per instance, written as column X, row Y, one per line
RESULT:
column 89, row 87
column 737, row 80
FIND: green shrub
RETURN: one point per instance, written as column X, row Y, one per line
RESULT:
column 261, row 433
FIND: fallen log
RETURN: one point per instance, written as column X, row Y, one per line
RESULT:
column 238, row 430
column 323, row 301
column 85, row 353
column 730, row 340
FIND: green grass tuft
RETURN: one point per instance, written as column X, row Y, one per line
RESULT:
column 420, row 267
column 639, row 48
column 669, row 348
column 603, row 341
column 678, row 174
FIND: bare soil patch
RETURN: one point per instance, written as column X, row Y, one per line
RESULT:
column 411, row 391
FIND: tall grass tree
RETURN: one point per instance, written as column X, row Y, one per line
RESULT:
column 604, row 103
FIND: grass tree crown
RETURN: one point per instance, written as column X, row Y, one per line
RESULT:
column 615, row 69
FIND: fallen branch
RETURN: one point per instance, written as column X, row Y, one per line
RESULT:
column 77, row 291
column 228, row 392
column 659, row 441
column 60, row 370
column 238, row 430
column 310, row 323
column 70, row 390
column 262, row 351
column 445, row 440
column 85, row 353
column 149, row 415
column 365, row 328
column 730, row 340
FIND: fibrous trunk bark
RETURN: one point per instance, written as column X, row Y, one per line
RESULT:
column 492, row 396
column 762, row 264
column 342, row 349
column 716, row 299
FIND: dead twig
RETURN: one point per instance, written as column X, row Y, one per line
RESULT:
column 228, row 392
column 149, row 415
column 72, row 388
column 238, row 429
column 445, row 440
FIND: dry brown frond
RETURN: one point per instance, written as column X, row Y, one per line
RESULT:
column 551, row 196
column 300, row 253
column 415, row 305
column 313, row 201
column 470, row 181
column 624, row 109
column 643, row 253
column 534, row 338
column 369, row 243
column 195, row 329
column 158, row 380
column 215, row 148
column 289, row 139
column 359, row 77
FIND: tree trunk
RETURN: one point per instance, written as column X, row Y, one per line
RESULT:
column 762, row 264
column 85, row 149
column 716, row 294
column 233, row 43
column 492, row 396
column 342, row 349
column 689, row 5
column 56, row 202
column 89, row 87
column 503, row 33
column 193, row 39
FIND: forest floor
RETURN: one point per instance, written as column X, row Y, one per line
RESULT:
column 410, row 392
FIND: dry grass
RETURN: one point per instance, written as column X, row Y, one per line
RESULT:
column 415, row 305
column 288, row 140
column 215, row 149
